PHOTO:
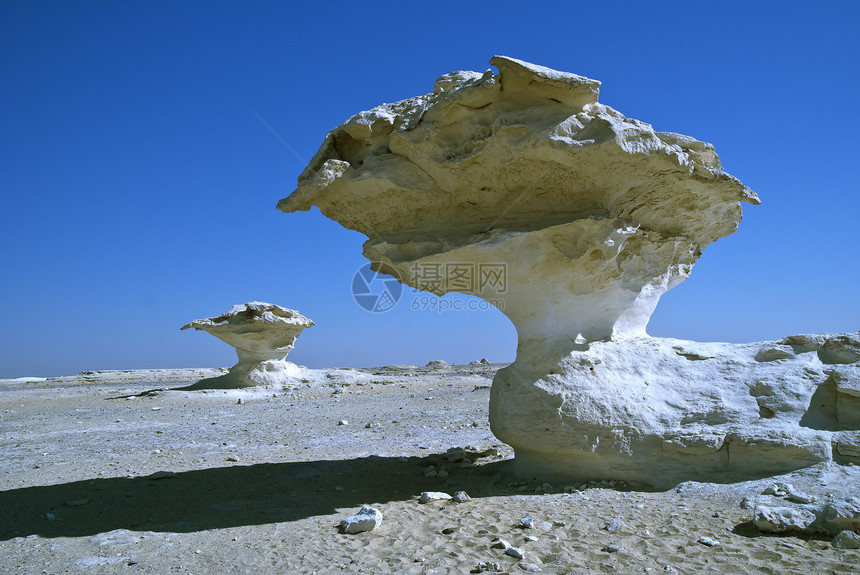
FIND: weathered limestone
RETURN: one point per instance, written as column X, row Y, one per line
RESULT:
column 520, row 188
column 263, row 334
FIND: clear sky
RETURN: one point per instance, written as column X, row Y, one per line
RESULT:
column 139, row 183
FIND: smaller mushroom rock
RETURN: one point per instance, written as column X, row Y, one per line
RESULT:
column 263, row 334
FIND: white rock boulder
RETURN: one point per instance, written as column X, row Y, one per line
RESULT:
column 520, row 188
column 367, row 519
column 263, row 334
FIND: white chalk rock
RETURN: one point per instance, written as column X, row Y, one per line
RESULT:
column 263, row 334
column 829, row 518
column 367, row 519
column 846, row 540
column 522, row 189
column 428, row 496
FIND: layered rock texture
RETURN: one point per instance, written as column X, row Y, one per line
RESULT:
column 520, row 188
column 263, row 334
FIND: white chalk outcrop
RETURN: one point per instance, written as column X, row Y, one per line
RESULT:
column 522, row 189
column 263, row 334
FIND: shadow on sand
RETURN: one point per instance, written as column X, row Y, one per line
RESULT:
column 232, row 496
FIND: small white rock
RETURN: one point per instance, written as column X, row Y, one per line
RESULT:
column 461, row 497
column 428, row 496
column 708, row 541
column 799, row 497
column 515, row 552
column 846, row 540
column 366, row 519
column 500, row 544
column 527, row 523
column 343, row 422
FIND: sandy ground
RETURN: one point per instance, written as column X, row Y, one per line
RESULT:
column 99, row 477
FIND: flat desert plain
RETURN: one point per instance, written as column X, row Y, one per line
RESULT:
column 115, row 472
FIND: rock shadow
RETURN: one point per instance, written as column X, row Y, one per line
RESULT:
column 234, row 496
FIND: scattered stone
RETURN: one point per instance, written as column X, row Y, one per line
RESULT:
column 530, row 567
column 613, row 526
column 558, row 523
column 343, row 422
column 846, row 540
column 368, row 425
column 232, row 459
column 527, row 523
column 161, row 475
column 500, row 544
column 485, row 567
column 450, row 530
column 461, row 497
column 239, row 401
column 613, row 548
column 530, row 538
column 428, row 496
column 515, row 552
column 799, row 497
column 708, row 541
column 366, row 519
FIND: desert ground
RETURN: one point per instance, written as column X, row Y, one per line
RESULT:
column 115, row 472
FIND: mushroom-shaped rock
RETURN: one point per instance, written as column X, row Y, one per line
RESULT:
column 263, row 334
column 522, row 189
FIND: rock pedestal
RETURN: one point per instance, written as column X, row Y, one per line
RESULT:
column 520, row 188
column 263, row 334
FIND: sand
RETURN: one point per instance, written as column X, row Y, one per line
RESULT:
column 100, row 477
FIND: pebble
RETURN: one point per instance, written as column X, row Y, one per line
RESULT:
column 545, row 525
column 486, row 567
column 613, row 526
column 450, row 530
column 708, row 541
column 530, row 538
column 366, row 519
column 531, row 567
column 428, row 496
column 500, row 544
column 559, row 523
column 461, row 497
column 846, row 540
column 613, row 548
column 515, row 552
column 799, row 497
column 343, row 422
column 161, row 475
column 527, row 523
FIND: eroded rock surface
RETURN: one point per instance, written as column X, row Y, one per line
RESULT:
column 519, row 187
column 263, row 334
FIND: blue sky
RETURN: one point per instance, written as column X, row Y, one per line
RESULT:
column 139, row 186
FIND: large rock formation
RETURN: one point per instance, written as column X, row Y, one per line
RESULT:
column 520, row 188
column 263, row 334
